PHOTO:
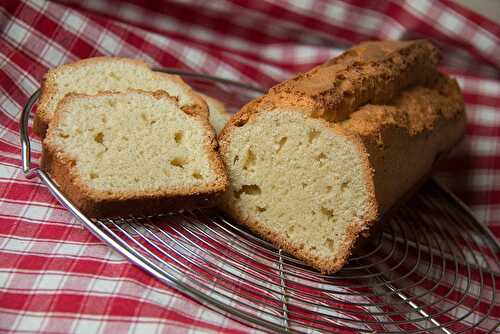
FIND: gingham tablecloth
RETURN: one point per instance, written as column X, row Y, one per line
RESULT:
column 54, row 276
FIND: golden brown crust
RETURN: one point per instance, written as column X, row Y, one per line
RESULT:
column 61, row 167
column 372, row 72
column 49, row 87
column 403, row 140
column 415, row 115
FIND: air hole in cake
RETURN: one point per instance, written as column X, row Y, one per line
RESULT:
column 152, row 122
column 240, row 122
column 178, row 162
column 136, row 179
column 236, row 158
column 327, row 212
column 99, row 137
column 304, row 185
column 344, row 185
column 260, row 209
column 329, row 188
column 291, row 228
column 125, row 138
column 249, row 189
column 197, row 175
column 250, row 160
column 178, row 136
column 111, row 103
column 63, row 135
column 321, row 158
column 280, row 144
column 144, row 117
column 313, row 135
column 330, row 244
column 93, row 176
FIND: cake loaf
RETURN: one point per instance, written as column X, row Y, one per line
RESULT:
column 322, row 156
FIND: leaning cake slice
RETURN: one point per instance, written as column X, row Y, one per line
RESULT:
column 134, row 153
column 108, row 74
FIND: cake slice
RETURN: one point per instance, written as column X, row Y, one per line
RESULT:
column 217, row 114
column 320, row 157
column 100, row 74
column 132, row 153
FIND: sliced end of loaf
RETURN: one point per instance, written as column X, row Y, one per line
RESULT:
column 132, row 153
column 108, row 74
column 304, row 185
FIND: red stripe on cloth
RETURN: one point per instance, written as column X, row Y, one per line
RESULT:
column 480, row 20
column 250, row 50
column 425, row 28
column 212, row 18
column 97, row 305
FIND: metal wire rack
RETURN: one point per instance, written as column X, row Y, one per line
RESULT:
column 432, row 267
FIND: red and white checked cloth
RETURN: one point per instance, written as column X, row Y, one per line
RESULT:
column 54, row 276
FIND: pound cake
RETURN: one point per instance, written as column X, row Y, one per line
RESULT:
column 131, row 153
column 93, row 75
column 320, row 157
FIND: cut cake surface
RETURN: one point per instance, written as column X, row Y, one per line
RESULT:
column 132, row 153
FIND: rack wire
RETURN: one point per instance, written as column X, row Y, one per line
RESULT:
column 431, row 267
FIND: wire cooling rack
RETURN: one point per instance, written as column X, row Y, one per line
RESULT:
column 431, row 267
